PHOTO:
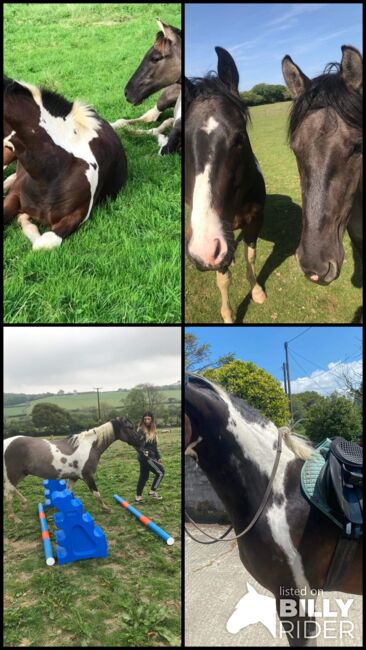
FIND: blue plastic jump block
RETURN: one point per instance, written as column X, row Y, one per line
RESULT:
column 78, row 538
column 50, row 487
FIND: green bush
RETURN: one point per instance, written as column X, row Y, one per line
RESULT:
column 255, row 386
column 334, row 416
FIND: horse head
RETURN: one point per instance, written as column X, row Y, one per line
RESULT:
column 126, row 431
column 160, row 67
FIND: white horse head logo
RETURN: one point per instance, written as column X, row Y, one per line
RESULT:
column 253, row 608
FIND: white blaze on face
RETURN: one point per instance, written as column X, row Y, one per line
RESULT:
column 207, row 243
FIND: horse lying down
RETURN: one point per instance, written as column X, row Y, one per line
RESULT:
column 73, row 458
column 68, row 160
column 161, row 67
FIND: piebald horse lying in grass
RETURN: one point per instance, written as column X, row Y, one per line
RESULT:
column 161, row 67
column 68, row 160
column 73, row 458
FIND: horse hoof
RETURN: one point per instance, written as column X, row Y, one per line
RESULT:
column 106, row 509
column 24, row 506
column 258, row 295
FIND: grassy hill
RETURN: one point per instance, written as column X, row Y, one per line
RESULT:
column 81, row 401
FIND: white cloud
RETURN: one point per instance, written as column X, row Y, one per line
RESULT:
column 326, row 383
column 41, row 359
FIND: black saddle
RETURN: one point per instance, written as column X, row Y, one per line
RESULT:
column 340, row 484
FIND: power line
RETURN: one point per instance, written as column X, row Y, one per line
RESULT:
column 301, row 333
column 318, row 365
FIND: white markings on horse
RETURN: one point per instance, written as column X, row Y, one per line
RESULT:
column 47, row 240
column 205, row 222
column 7, row 141
column 280, row 529
column 257, row 166
column 257, row 441
column 210, row 125
column 72, row 133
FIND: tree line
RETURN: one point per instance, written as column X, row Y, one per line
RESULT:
column 315, row 416
column 265, row 94
column 50, row 419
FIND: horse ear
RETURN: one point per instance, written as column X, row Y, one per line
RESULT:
column 351, row 68
column 227, row 70
column 188, row 91
column 167, row 30
column 296, row 81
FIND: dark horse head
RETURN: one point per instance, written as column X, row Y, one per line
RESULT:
column 325, row 133
column 160, row 67
column 125, row 431
column 223, row 184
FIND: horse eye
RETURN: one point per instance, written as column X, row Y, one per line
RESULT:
column 357, row 148
column 156, row 58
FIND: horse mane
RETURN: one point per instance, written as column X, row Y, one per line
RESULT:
column 327, row 91
column 211, row 86
column 84, row 116
column 297, row 444
column 103, row 433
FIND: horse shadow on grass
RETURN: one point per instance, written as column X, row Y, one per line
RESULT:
column 281, row 226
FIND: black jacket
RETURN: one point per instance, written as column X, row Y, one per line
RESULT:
column 152, row 448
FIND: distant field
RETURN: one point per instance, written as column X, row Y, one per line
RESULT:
column 291, row 298
column 81, row 401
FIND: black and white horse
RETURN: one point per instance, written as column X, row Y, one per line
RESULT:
column 161, row 67
column 68, row 160
column 73, row 458
column 291, row 544
column 224, row 186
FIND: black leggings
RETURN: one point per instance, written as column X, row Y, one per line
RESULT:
column 148, row 465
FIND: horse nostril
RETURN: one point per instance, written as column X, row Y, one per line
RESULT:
column 217, row 249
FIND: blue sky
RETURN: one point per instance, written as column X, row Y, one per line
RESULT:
column 313, row 353
column 259, row 35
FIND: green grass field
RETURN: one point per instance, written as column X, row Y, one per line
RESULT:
column 80, row 401
column 131, row 598
column 291, row 298
column 123, row 264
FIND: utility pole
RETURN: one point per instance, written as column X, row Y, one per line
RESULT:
column 288, row 383
column 284, row 377
column 98, row 388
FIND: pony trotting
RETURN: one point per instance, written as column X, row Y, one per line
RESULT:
column 161, row 67
column 68, row 160
column 325, row 133
column 224, row 186
column 284, row 541
column 73, row 458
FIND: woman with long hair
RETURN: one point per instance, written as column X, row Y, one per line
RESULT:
column 149, row 458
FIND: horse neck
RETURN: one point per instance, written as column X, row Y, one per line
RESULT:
column 105, row 437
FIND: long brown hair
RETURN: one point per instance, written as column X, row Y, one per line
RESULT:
column 150, row 434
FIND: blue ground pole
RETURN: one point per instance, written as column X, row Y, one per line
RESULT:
column 145, row 520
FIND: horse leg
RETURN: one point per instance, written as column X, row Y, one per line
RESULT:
column 11, row 206
column 159, row 129
column 258, row 294
column 223, row 281
column 61, row 229
column 9, row 182
column 89, row 480
column 70, row 484
column 9, row 495
column 29, row 229
column 150, row 116
column 171, row 144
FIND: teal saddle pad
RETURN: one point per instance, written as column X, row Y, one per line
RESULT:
column 309, row 479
